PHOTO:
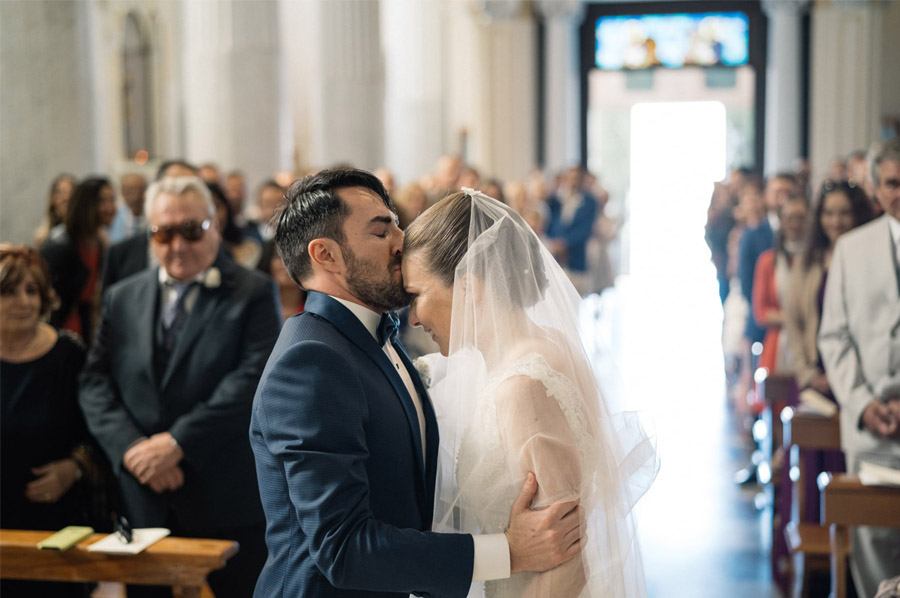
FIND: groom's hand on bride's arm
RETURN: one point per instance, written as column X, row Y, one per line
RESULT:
column 542, row 540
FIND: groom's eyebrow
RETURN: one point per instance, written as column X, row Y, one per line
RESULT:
column 383, row 220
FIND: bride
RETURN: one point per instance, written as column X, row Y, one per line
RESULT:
column 518, row 395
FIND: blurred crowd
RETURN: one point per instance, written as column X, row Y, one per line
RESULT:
column 809, row 279
column 134, row 330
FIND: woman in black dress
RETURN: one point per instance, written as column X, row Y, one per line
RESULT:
column 43, row 434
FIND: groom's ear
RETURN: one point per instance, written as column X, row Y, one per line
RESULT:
column 325, row 255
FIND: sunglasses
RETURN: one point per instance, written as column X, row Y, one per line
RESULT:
column 191, row 231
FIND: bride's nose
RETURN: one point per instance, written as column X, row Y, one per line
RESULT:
column 413, row 317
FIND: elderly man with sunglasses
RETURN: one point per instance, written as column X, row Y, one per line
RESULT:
column 168, row 385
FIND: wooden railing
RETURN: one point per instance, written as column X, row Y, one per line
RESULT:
column 848, row 503
column 182, row 563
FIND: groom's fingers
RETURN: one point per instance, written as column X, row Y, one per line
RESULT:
column 562, row 510
column 573, row 549
column 526, row 496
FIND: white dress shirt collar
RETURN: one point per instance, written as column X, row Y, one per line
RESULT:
column 164, row 277
column 366, row 316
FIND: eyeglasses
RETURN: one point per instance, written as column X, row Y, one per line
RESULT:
column 191, row 231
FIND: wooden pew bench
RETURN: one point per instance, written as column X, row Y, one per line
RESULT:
column 182, row 563
column 847, row 503
column 807, row 541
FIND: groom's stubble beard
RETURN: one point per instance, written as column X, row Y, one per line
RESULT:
column 372, row 286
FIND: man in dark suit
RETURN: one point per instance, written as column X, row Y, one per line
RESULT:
column 344, row 435
column 168, row 386
column 572, row 213
column 128, row 256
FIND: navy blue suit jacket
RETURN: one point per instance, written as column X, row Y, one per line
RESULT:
column 347, row 495
column 754, row 241
column 576, row 233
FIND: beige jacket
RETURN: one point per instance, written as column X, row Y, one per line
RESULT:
column 801, row 319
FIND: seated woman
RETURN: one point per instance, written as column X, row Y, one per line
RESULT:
column 841, row 207
column 771, row 280
column 75, row 256
column 43, row 433
column 57, row 203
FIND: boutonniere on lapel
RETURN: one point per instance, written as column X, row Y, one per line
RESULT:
column 213, row 278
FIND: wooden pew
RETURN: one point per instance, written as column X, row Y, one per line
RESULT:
column 776, row 392
column 182, row 563
column 807, row 541
column 847, row 503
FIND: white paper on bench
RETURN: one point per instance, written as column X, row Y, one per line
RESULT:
column 141, row 538
column 871, row 474
column 818, row 403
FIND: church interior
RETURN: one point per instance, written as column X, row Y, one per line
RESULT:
column 681, row 160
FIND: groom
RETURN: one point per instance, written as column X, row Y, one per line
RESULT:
column 343, row 432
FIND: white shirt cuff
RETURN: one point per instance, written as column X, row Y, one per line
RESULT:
column 491, row 557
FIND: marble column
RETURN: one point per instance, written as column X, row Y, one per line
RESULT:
column 334, row 75
column 561, row 82
column 783, row 84
column 491, row 80
column 854, row 77
column 412, row 33
column 231, row 85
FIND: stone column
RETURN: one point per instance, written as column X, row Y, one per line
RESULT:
column 783, row 91
column 490, row 84
column 334, row 75
column 412, row 41
column 854, row 81
column 231, row 85
column 561, row 82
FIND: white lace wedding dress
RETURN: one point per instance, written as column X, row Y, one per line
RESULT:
column 529, row 419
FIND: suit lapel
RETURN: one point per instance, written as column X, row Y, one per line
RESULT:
column 882, row 261
column 432, row 436
column 145, row 332
column 350, row 326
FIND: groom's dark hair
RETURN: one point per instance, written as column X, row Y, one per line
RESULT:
column 313, row 210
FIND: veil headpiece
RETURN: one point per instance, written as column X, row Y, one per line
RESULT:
column 515, row 313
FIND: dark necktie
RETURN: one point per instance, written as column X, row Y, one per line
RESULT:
column 175, row 314
column 388, row 327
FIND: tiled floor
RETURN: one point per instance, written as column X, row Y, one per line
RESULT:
column 701, row 535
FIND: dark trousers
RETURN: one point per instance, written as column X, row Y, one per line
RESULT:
column 238, row 578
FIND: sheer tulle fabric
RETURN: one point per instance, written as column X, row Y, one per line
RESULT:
column 517, row 394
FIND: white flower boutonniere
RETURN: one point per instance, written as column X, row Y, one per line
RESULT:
column 424, row 368
column 213, row 278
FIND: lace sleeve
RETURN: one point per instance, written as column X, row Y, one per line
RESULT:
column 536, row 437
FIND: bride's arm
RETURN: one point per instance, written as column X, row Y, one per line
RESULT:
column 536, row 437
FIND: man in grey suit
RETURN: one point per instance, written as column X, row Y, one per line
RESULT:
column 859, row 340
column 169, row 382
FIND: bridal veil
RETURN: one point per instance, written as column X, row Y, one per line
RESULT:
column 519, row 394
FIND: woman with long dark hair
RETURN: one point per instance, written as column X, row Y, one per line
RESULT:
column 60, row 193
column 841, row 207
column 75, row 257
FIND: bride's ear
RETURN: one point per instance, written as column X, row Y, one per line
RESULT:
column 325, row 255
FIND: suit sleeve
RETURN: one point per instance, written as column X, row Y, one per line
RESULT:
column 106, row 415
column 746, row 264
column 836, row 345
column 224, row 415
column 312, row 415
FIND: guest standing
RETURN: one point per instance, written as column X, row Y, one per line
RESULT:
column 57, row 204
column 841, row 207
column 168, row 385
column 75, row 257
column 43, row 433
column 771, row 281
